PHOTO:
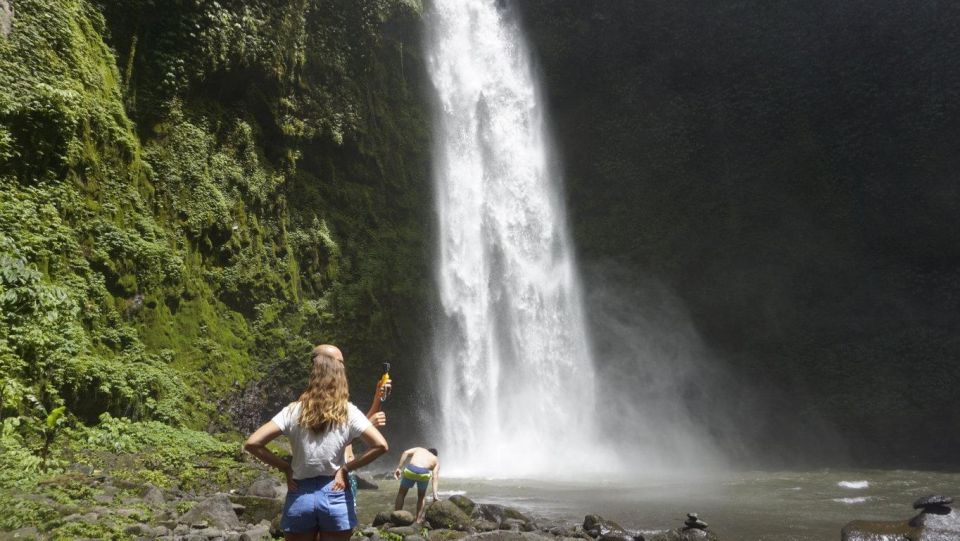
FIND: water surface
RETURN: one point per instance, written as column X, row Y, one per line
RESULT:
column 768, row 506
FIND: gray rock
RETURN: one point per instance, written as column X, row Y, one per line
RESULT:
column 513, row 524
column 6, row 20
column 404, row 530
column 260, row 532
column 862, row 530
column 152, row 496
column 23, row 533
column 597, row 526
column 217, row 510
column 681, row 534
column 445, row 515
column 366, row 483
column 254, row 509
column 464, row 503
column 501, row 535
column 446, row 535
column 937, row 525
column 266, row 487
column 414, row 538
column 382, row 517
column 932, row 500
column 402, row 518
column 485, row 525
column 210, row 533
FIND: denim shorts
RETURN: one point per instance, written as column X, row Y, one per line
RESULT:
column 315, row 506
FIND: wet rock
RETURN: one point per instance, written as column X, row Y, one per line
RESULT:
column 444, row 514
column 403, row 530
column 152, row 496
column 256, row 509
column 414, row 538
column 682, row 534
column 863, row 530
column 30, row 533
column 402, row 518
column 260, row 532
column 464, row 503
column 267, row 487
column 501, row 535
column 617, row 536
column 210, row 533
column 932, row 501
column 217, row 510
column 485, row 525
column 937, row 525
column 445, row 535
column 693, row 521
column 597, row 526
column 382, row 517
column 366, row 483
column 936, row 522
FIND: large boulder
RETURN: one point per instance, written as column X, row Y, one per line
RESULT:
column 267, row 487
column 937, row 522
column 682, row 534
column 217, row 511
column 256, row 509
column 446, row 515
column 495, row 513
column 6, row 17
column 446, row 535
column 366, row 483
column 506, row 535
column 402, row 518
column 464, row 503
column 599, row 527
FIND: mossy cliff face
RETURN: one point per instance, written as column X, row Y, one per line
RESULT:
column 193, row 193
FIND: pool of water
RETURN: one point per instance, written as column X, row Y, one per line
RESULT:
column 745, row 506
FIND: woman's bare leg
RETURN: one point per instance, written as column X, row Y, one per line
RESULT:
column 305, row 536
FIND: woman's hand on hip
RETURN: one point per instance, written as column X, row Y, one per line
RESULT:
column 291, row 482
column 340, row 480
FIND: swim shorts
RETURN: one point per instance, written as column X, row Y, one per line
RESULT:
column 315, row 506
column 415, row 474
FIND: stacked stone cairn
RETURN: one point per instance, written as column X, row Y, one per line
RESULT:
column 935, row 522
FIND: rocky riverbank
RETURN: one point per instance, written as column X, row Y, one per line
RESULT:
column 93, row 505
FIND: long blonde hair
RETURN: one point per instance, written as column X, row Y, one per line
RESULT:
column 323, row 404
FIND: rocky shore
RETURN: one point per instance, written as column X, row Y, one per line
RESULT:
column 124, row 509
column 106, row 507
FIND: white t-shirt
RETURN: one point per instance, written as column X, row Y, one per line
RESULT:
column 319, row 453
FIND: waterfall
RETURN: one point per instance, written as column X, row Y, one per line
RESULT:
column 512, row 358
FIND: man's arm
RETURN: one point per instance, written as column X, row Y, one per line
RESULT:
column 377, row 417
column 403, row 459
column 436, row 481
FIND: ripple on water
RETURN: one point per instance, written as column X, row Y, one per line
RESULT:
column 854, row 484
column 850, row 501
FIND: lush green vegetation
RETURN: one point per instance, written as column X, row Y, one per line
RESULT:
column 191, row 194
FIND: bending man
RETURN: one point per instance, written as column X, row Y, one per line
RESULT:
column 423, row 466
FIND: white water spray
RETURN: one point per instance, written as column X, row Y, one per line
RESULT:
column 512, row 356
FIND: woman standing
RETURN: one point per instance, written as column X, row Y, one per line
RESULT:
column 320, row 425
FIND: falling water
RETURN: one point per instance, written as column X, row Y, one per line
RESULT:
column 516, row 381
